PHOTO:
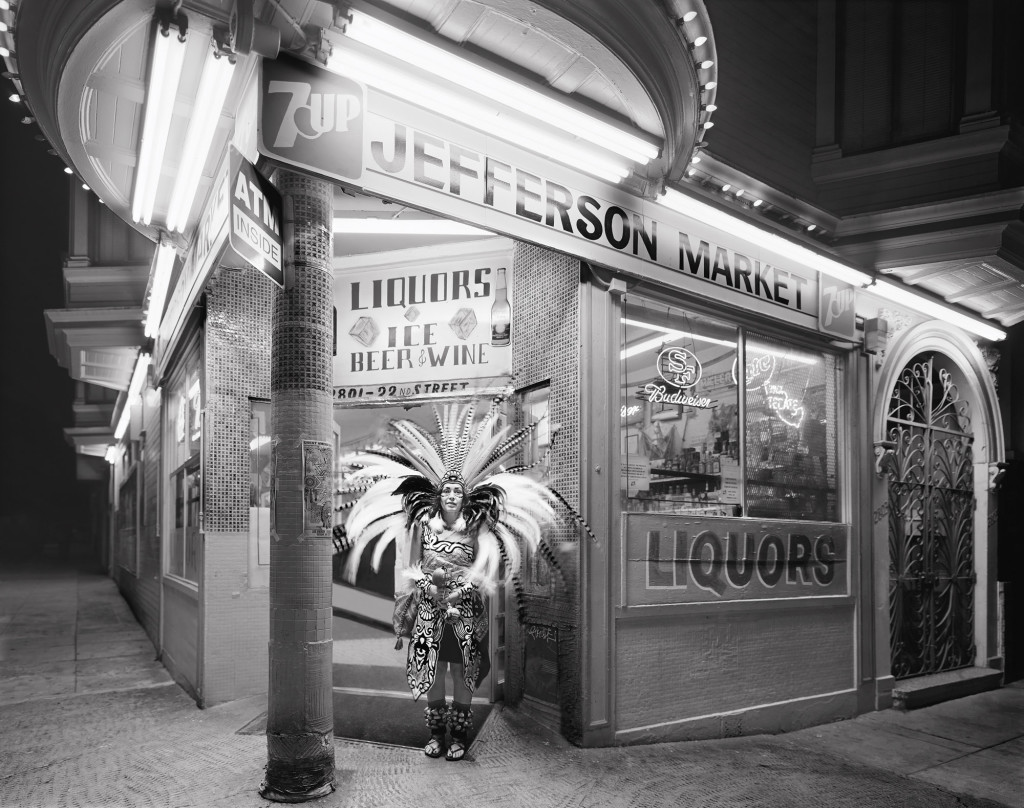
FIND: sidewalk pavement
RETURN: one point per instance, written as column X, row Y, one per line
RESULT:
column 89, row 719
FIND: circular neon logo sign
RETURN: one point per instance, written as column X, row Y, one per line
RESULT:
column 679, row 367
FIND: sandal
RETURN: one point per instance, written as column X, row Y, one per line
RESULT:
column 456, row 751
column 434, row 747
column 436, row 715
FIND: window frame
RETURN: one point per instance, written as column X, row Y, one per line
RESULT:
column 753, row 328
column 188, row 374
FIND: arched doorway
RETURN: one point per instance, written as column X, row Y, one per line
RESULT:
column 931, row 520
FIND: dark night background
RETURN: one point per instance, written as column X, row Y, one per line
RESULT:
column 38, row 497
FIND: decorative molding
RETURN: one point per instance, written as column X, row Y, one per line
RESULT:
column 996, row 473
column 1006, row 203
column 886, row 467
column 992, row 355
column 981, row 143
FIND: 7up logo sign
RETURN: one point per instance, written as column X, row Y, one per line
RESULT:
column 311, row 118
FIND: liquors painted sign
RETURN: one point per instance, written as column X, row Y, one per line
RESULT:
column 422, row 329
column 680, row 559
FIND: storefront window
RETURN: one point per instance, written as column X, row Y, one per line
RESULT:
column 693, row 443
column 791, row 435
column 127, row 523
column 184, row 436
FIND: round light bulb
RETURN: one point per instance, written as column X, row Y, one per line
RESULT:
column 689, row 15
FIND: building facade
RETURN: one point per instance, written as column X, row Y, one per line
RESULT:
column 761, row 316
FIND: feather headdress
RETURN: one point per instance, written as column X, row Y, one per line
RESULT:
column 501, row 507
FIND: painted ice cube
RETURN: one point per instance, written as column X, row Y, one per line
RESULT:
column 365, row 330
column 463, row 322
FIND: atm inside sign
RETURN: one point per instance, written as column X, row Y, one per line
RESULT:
column 255, row 231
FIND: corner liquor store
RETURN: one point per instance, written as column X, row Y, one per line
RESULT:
column 697, row 415
column 727, row 528
column 724, row 549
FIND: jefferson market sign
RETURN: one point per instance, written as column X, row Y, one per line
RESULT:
column 337, row 128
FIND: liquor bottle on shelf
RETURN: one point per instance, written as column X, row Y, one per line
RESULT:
column 501, row 313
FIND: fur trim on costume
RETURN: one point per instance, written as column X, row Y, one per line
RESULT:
column 437, row 525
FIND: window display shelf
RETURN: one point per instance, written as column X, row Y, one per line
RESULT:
column 659, row 477
column 684, row 474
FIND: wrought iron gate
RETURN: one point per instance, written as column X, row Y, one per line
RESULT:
column 931, row 513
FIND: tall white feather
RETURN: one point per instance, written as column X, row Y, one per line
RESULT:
column 373, row 466
column 477, row 456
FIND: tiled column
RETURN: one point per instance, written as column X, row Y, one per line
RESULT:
column 300, row 721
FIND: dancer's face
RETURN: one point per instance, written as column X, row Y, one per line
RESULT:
column 452, row 496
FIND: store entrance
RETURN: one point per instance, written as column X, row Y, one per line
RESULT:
column 372, row 698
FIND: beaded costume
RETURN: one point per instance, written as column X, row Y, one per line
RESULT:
column 469, row 627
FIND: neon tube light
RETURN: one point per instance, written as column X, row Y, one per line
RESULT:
column 405, row 227
column 694, row 208
column 688, row 206
column 426, row 56
column 138, row 375
column 213, row 89
column 163, row 262
column 164, row 75
column 419, row 90
column 906, row 297
column 123, row 421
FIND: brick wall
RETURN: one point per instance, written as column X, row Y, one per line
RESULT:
column 546, row 346
column 233, row 592
column 237, row 358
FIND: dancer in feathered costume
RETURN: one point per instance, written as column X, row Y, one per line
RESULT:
column 449, row 499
